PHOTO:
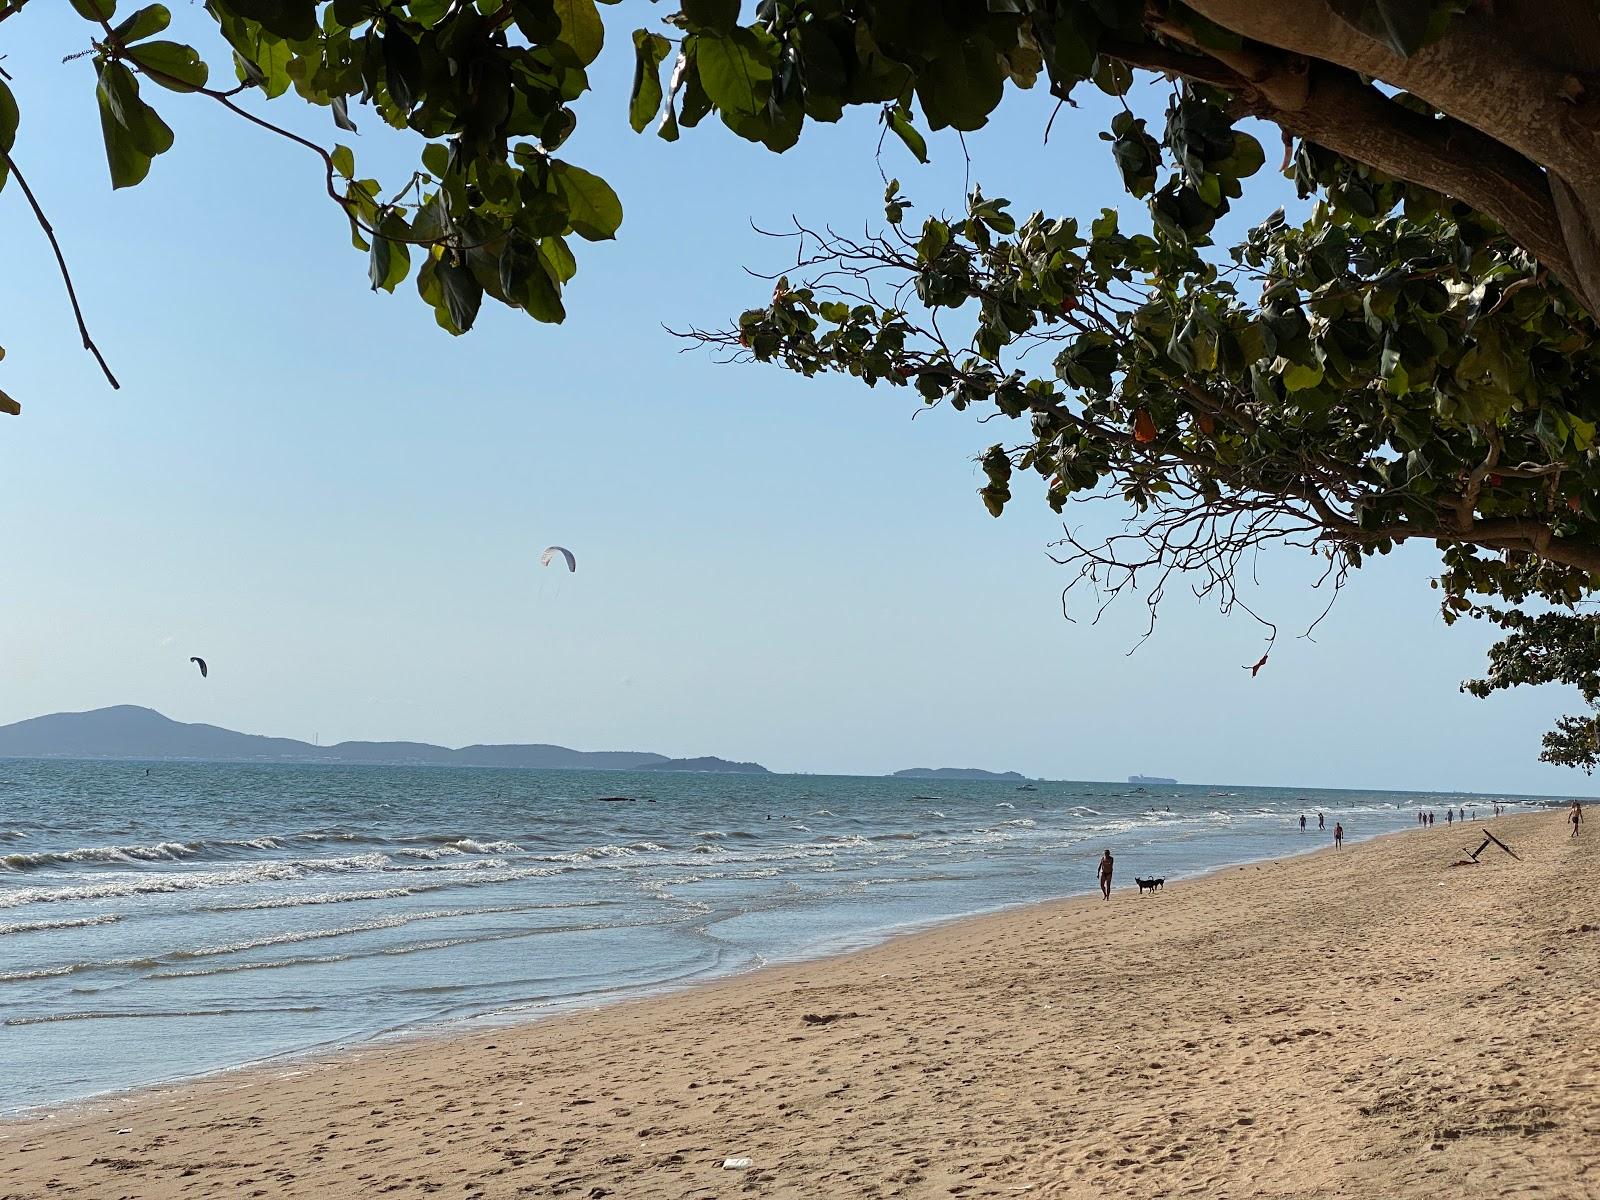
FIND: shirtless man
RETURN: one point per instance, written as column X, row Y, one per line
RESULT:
column 1338, row 835
column 1105, row 874
column 1575, row 817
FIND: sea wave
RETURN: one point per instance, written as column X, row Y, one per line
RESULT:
column 64, row 923
column 160, row 852
column 144, row 1014
column 185, row 881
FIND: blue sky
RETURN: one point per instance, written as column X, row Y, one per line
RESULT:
column 341, row 507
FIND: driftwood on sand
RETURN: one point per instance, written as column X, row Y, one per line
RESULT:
column 1472, row 855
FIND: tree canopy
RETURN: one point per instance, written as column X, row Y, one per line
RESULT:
column 1415, row 359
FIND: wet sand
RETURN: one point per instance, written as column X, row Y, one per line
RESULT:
column 1362, row 1023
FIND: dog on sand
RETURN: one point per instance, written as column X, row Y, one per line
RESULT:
column 1149, row 885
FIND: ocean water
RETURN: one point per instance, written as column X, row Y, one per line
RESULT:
column 164, row 920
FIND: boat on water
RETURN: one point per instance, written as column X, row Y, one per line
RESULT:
column 1151, row 781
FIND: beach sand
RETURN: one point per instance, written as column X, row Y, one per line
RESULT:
column 1366, row 1023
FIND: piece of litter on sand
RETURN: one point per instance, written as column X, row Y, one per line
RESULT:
column 735, row 1164
column 122, row 1131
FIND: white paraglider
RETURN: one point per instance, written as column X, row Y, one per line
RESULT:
column 550, row 555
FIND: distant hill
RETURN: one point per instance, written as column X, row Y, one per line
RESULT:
column 718, row 765
column 959, row 773
column 127, row 731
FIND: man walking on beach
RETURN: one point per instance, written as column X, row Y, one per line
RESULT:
column 1338, row 835
column 1105, row 874
column 1575, row 815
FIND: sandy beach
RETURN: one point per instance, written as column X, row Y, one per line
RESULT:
column 1362, row 1023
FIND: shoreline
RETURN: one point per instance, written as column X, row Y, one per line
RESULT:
column 490, row 1020
column 1355, row 1023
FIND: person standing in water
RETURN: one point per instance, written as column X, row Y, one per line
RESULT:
column 1321, row 821
column 1302, row 822
column 1338, row 836
column 1106, row 863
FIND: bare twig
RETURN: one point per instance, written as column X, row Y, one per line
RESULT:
column 61, row 263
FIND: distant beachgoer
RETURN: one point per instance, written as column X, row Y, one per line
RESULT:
column 1430, row 818
column 1106, row 863
column 1449, row 816
column 1575, row 816
column 1461, row 814
column 1338, row 835
column 1321, row 823
column 1302, row 822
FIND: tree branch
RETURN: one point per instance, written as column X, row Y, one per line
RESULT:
column 1336, row 110
column 61, row 263
column 1482, row 70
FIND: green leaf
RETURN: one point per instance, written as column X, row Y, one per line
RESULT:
column 95, row 10
column 593, row 210
column 900, row 121
column 961, row 86
column 733, row 72
column 1300, row 376
column 388, row 262
column 9, row 117
column 1245, row 159
column 134, row 133
column 648, row 51
column 581, row 28
column 718, row 16
column 267, row 64
column 428, row 13
column 528, row 279
column 344, row 161
column 558, row 258
column 461, row 292
column 129, row 165
column 402, row 66
column 146, row 22
column 378, row 262
column 171, row 64
column 341, row 114
column 667, row 131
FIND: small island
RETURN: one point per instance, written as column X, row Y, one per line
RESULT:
column 959, row 773
column 709, row 765
column 1151, row 780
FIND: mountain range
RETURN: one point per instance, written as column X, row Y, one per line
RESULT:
column 128, row 731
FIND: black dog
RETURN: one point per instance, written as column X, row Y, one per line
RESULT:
column 1149, row 885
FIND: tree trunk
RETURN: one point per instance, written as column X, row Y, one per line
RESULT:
column 1522, row 74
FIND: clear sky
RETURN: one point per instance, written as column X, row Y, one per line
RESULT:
column 341, row 507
